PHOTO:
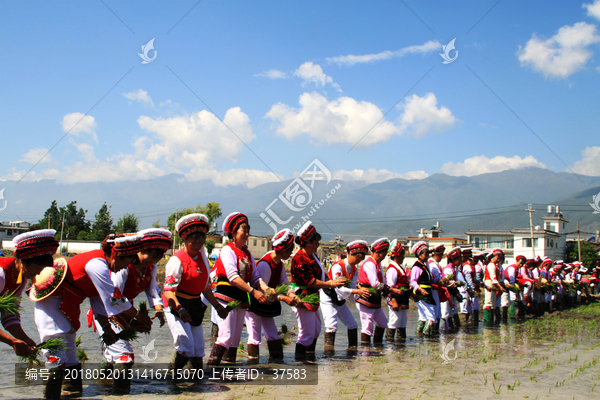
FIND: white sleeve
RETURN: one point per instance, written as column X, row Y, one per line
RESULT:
column 2, row 280
column 264, row 270
column 391, row 276
column 371, row 270
column 152, row 290
column 173, row 273
column 230, row 263
column 120, row 278
column 113, row 300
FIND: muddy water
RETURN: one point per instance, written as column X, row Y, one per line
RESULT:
column 553, row 358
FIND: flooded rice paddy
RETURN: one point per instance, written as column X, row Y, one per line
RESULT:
column 554, row 357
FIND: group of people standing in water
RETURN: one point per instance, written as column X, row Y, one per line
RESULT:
column 127, row 265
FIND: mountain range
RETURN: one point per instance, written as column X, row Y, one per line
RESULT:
column 393, row 208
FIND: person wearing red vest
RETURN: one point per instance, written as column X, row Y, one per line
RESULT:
column 58, row 292
column 420, row 282
column 186, row 279
column 259, row 318
column 334, row 301
column 237, row 280
column 436, row 274
column 131, row 281
column 398, row 298
column 511, row 274
column 371, row 276
column 449, row 308
column 34, row 252
column 492, row 285
column 308, row 276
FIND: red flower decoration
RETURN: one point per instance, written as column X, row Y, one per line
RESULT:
column 169, row 280
column 52, row 359
column 126, row 358
column 117, row 295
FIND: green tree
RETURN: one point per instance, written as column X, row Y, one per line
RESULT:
column 210, row 245
column 52, row 219
column 212, row 211
column 589, row 253
column 127, row 223
column 103, row 224
column 75, row 221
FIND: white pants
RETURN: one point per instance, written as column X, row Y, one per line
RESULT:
column 475, row 302
column 505, row 299
column 331, row 313
column 309, row 325
column 230, row 328
column 255, row 324
column 398, row 318
column 370, row 317
column 188, row 339
column 465, row 304
column 51, row 324
column 426, row 311
column 120, row 352
column 446, row 308
column 490, row 297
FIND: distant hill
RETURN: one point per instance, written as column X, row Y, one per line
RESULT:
column 394, row 208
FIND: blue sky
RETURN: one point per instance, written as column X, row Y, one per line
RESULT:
column 281, row 77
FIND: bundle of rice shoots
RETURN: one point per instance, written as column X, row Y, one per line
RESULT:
column 348, row 283
column 143, row 307
column 128, row 334
column 9, row 303
column 51, row 345
column 283, row 289
column 514, row 288
column 312, row 298
column 232, row 305
column 81, row 354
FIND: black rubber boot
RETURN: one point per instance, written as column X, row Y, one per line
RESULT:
column 121, row 379
column 378, row 335
column 353, row 337
column 400, row 334
column 275, row 350
column 230, row 355
column 456, row 319
column 365, row 339
column 53, row 385
column 197, row 363
column 311, row 348
column 216, row 355
column 475, row 318
column 300, row 352
column 75, row 383
column 253, row 354
column 497, row 315
column 329, row 341
column 504, row 314
column 390, row 334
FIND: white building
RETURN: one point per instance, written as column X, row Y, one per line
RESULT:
column 548, row 241
column 10, row 229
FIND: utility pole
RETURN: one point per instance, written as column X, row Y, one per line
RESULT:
column 174, row 233
column 531, row 228
column 578, row 243
column 61, row 231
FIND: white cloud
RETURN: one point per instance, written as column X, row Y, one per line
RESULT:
column 593, row 10
column 141, row 96
column 422, row 117
column 589, row 163
column 346, row 120
column 563, row 54
column 373, row 176
column 349, row 60
column 35, row 155
column 249, row 177
column 75, row 123
column 313, row 73
column 274, row 74
column 198, row 140
column 482, row 165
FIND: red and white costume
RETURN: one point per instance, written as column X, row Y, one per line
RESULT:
column 88, row 276
column 395, row 276
column 233, row 263
column 490, row 280
column 331, row 311
column 274, row 275
column 371, row 275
